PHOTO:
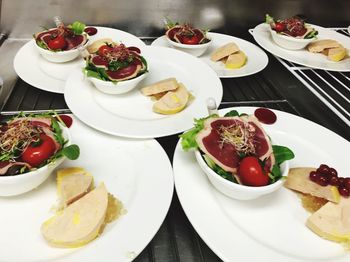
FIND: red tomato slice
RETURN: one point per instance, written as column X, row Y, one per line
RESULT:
column 58, row 43
column 103, row 50
column 251, row 173
column 35, row 155
column 190, row 40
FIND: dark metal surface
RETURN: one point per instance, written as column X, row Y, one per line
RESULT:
column 274, row 87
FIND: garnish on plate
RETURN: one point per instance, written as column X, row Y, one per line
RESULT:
column 293, row 27
column 62, row 38
column 185, row 33
column 115, row 62
column 237, row 148
column 30, row 142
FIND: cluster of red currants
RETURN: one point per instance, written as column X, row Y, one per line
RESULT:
column 325, row 175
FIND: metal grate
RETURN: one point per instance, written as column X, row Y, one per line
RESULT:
column 332, row 88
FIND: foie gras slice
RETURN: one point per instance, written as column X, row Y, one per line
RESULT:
column 320, row 45
column 224, row 51
column 298, row 180
column 168, row 84
column 80, row 222
column 72, row 184
column 173, row 101
column 332, row 221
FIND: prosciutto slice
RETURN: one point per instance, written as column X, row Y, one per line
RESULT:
column 6, row 165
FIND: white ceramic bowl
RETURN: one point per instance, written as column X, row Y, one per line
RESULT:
column 237, row 191
column 289, row 42
column 196, row 50
column 121, row 87
column 19, row 184
column 61, row 56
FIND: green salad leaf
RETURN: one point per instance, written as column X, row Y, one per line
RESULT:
column 311, row 34
column 72, row 152
column 282, row 153
column 269, row 19
column 77, row 27
column 217, row 169
column 189, row 137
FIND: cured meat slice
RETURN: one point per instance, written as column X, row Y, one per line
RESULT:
column 125, row 73
column 6, row 165
column 224, row 139
column 74, row 41
column 99, row 61
column 35, row 121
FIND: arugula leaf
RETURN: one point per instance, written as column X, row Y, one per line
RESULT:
column 232, row 113
column 311, row 34
column 77, row 27
column 282, row 153
column 189, row 138
column 72, row 152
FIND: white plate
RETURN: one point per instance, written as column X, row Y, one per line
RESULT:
column 257, row 59
column 263, row 37
column 271, row 228
column 40, row 73
column 136, row 172
column 130, row 114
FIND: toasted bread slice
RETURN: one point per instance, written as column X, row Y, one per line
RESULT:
column 224, row 51
column 165, row 85
column 94, row 46
column 298, row 180
column 320, row 45
column 72, row 184
column 332, row 221
column 80, row 222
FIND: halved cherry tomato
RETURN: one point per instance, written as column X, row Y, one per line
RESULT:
column 190, row 40
column 279, row 27
column 251, row 173
column 35, row 154
column 58, row 43
column 103, row 50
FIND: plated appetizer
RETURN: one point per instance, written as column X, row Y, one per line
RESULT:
column 114, row 68
column 87, row 213
column 291, row 33
column 238, row 151
column 31, row 147
column 326, row 196
column 171, row 96
column 187, row 38
column 230, row 55
column 60, row 44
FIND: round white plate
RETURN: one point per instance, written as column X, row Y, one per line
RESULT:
column 37, row 71
column 130, row 114
column 263, row 37
column 257, row 59
column 271, row 228
column 136, row 172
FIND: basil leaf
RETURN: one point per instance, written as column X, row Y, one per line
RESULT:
column 282, row 153
column 72, row 152
column 78, row 27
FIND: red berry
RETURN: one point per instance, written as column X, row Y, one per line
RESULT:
column 314, row 176
column 344, row 191
column 323, row 169
column 322, row 180
column 334, row 181
column 346, row 183
column 333, row 172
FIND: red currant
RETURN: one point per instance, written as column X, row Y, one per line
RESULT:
column 344, row 191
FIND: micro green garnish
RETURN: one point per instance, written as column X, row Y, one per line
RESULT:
column 169, row 23
column 77, row 27
column 116, row 64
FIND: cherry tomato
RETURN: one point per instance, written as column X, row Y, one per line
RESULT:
column 190, row 40
column 35, row 155
column 58, row 43
column 251, row 173
column 279, row 27
column 103, row 50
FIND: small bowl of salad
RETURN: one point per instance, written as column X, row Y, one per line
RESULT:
column 63, row 43
column 291, row 33
column 187, row 38
column 237, row 155
column 32, row 147
column 115, row 68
